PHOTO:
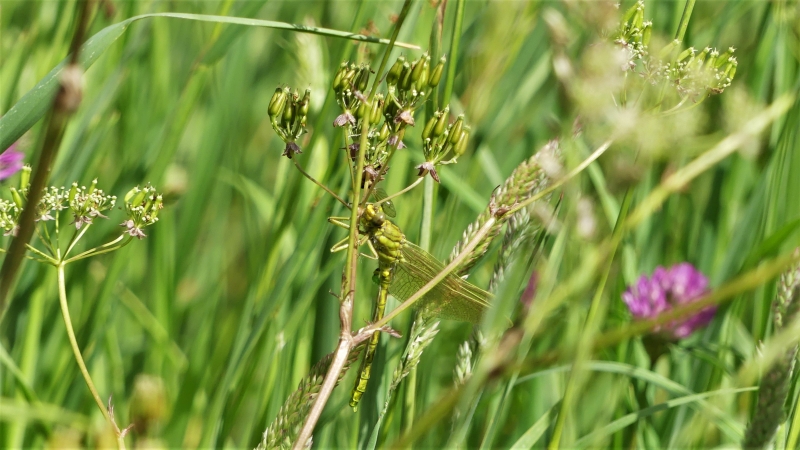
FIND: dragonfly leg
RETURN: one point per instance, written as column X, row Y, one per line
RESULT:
column 343, row 222
column 341, row 245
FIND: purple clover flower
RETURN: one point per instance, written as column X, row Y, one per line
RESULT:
column 666, row 289
column 10, row 162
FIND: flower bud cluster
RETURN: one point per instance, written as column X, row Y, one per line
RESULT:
column 84, row 203
column 692, row 73
column 88, row 203
column 440, row 139
column 142, row 206
column 349, row 84
column 287, row 114
column 408, row 85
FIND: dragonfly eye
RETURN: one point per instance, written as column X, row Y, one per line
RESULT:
column 378, row 219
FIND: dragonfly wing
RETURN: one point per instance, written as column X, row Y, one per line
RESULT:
column 453, row 298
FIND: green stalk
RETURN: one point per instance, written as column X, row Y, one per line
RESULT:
column 54, row 128
column 453, row 57
column 684, row 24
column 585, row 344
column 349, row 280
column 62, row 297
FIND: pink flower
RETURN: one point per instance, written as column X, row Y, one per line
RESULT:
column 10, row 162
column 666, row 289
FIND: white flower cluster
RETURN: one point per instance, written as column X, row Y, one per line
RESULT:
column 142, row 206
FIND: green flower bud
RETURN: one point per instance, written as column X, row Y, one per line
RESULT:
column 395, row 72
column 686, row 53
column 128, row 197
column 348, row 78
column 455, row 130
column 363, row 79
column 361, row 111
column 436, row 74
column 337, row 79
column 17, row 198
column 724, row 58
column 405, row 79
column 461, row 145
column 384, row 133
column 304, row 104
column 426, row 132
column 419, row 66
column 92, row 187
column 74, row 191
column 138, row 198
column 647, row 31
column 156, row 206
column 441, row 122
column 289, row 113
column 25, row 177
column 377, row 109
column 277, row 103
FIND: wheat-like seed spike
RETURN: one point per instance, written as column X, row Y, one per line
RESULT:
column 284, row 429
column 775, row 384
column 529, row 178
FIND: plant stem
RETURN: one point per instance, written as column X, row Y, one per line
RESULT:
column 585, row 344
column 451, row 67
column 296, row 164
column 401, row 192
column 62, row 297
column 54, row 130
column 687, row 13
column 349, row 279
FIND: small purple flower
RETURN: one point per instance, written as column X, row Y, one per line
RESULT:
column 395, row 139
column 426, row 168
column 133, row 230
column 291, row 149
column 10, row 162
column 343, row 119
column 666, row 289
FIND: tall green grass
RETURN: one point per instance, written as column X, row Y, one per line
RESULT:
column 224, row 308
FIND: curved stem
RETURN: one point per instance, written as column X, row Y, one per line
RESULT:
column 401, row 192
column 75, row 238
column 558, row 183
column 296, row 164
column 105, row 248
column 62, row 297
column 48, row 259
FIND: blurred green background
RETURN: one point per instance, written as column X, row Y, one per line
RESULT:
column 223, row 308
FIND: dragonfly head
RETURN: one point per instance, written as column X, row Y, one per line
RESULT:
column 374, row 215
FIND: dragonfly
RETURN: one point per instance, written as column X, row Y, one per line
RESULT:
column 404, row 268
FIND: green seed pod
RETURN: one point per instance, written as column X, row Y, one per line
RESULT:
column 92, row 187
column 348, row 78
column 419, row 66
column 138, row 198
column 390, row 109
column 73, row 191
column 363, row 79
column 647, row 31
column 384, row 133
column 685, row 54
column 157, row 205
column 441, row 122
column 422, row 83
column 337, row 79
column 730, row 70
column 724, row 58
column 128, row 197
column 455, row 130
column 288, row 113
column 436, row 73
column 395, row 72
column 276, row 103
column 405, row 79
column 668, row 49
column 361, row 111
column 304, row 104
column 461, row 146
column 17, row 198
column 426, row 132
column 24, row 177
column 377, row 109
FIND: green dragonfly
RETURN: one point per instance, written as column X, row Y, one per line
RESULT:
column 403, row 268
